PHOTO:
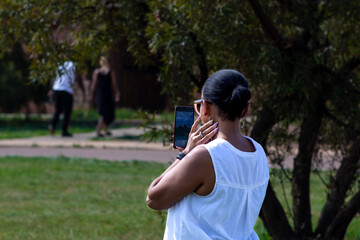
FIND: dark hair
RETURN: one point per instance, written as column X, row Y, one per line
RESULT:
column 229, row 90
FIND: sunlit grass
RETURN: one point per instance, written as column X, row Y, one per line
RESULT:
column 67, row 198
column 10, row 129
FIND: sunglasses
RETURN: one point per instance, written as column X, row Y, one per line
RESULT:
column 197, row 105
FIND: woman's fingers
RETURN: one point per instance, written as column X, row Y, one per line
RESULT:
column 208, row 136
column 194, row 126
column 209, row 129
column 201, row 135
column 192, row 140
column 206, row 128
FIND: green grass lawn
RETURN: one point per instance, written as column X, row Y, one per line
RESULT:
column 66, row 198
column 17, row 126
column 71, row 198
column 82, row 122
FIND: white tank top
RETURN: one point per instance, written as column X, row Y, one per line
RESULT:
column 232, row 208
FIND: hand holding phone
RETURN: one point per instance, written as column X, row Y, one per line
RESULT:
column 184, row 119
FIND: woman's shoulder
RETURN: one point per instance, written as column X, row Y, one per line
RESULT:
column 199, row 154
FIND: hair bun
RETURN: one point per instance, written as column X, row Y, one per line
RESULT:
column 240, row 95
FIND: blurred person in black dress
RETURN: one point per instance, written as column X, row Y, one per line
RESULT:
column 107, row 93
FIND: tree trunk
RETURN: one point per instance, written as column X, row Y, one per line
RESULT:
column 279, row 229
column 301, row 174
column 345, row 176
column 338, row 227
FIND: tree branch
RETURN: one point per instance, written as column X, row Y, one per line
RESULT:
column 204, row 72
column 344, row 178
column 262, row 127
column 342, row 220
column 285, row 197
column 194, row 80
column 339, row 122
column 342, row 72
column 350, row 65
column 266, row 23
column 340, row 80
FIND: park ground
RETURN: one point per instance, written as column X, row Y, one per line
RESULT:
column 61, row 188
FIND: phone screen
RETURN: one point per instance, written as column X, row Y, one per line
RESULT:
column 184, row 119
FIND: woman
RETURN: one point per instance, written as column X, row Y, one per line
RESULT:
column 104, row 84
column 215, row 188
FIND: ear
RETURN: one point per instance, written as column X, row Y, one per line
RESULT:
column 207, row 108
column 245, row 111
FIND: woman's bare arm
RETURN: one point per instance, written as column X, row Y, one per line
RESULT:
column 115, row 86
column 180, row 179
column 93, row 85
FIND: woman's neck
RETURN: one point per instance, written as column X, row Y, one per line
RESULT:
column 229, row 130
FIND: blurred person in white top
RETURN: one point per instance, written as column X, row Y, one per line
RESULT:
column 62, row 94
column 217, row 189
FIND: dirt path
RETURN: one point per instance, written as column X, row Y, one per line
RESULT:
column 162, row 156
column 83, row 146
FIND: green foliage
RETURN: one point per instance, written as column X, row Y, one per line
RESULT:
column 155, row 128
column 194, row 39
column 15, row 87
column 54, row 31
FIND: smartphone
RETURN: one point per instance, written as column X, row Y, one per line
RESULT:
column 184, row 119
